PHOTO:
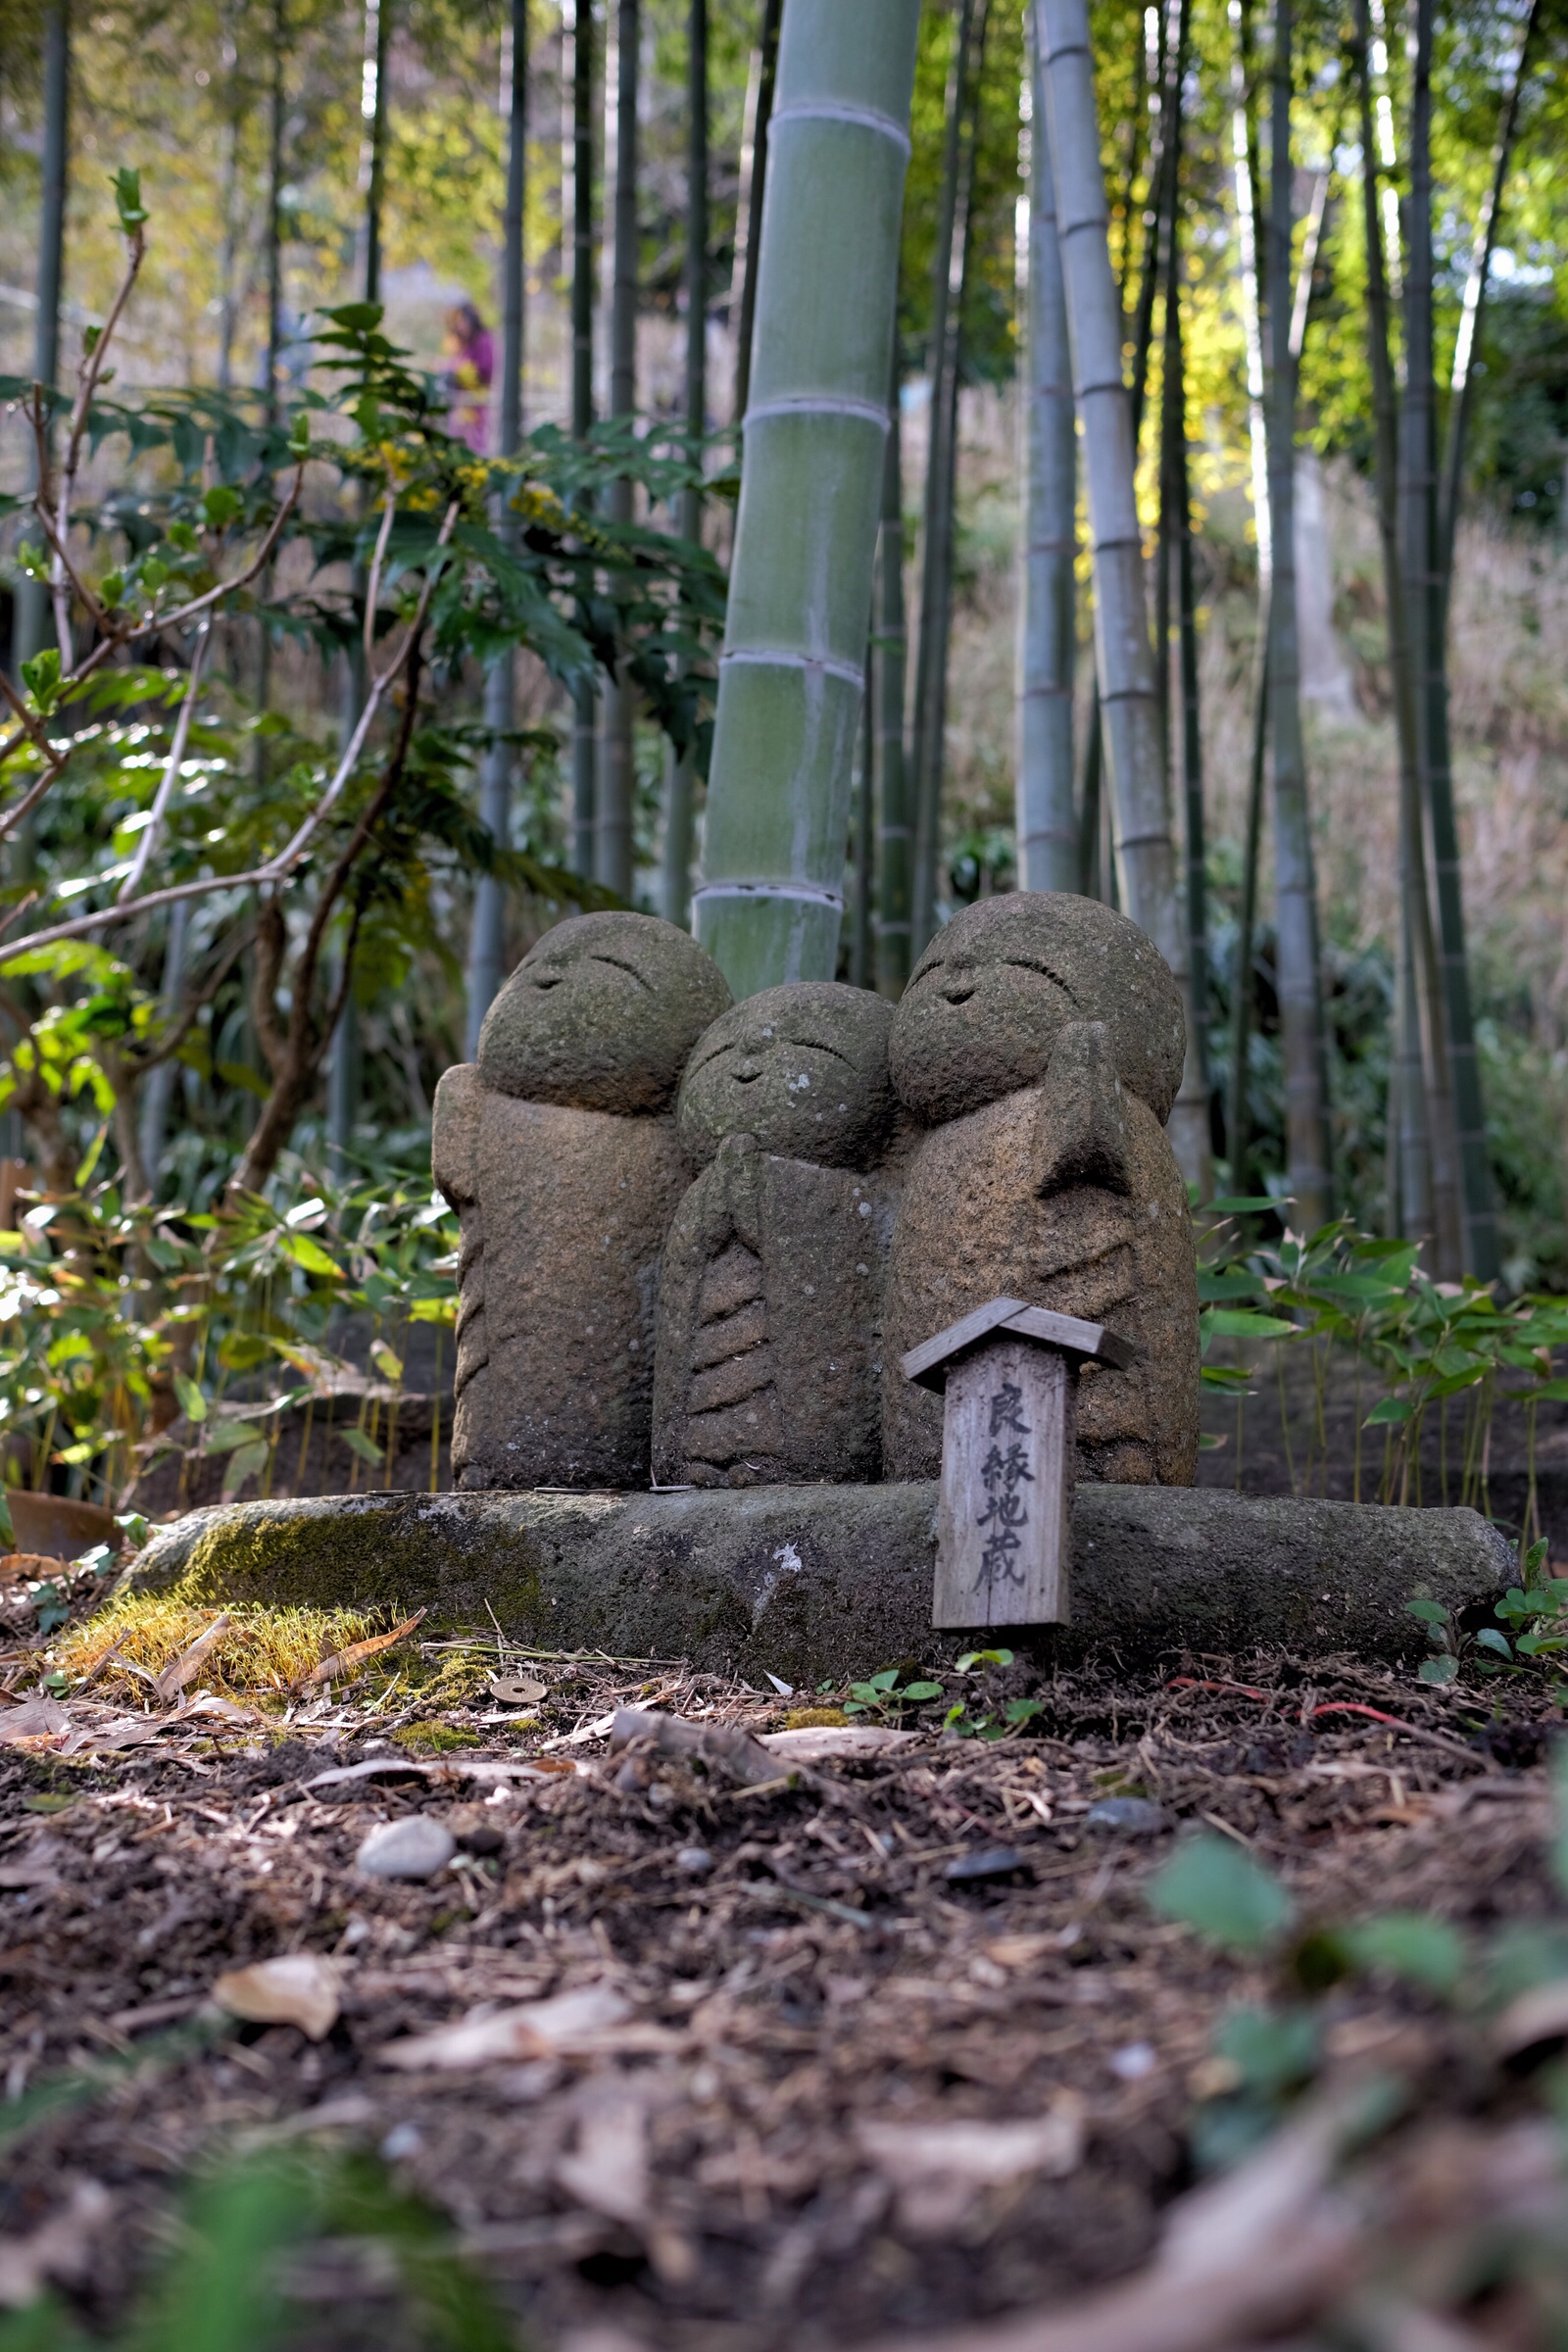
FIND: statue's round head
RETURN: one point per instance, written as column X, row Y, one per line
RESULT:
column 804, row 1068
column 993, row 990
column 600, row 1014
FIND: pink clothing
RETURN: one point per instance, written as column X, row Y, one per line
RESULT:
column 469, row 378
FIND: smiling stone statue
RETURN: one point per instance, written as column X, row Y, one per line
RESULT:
column 769, row 1312
column 559, row 1151
column 1039, row 1042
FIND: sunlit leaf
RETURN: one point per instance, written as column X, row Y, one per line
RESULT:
column 1210, row 1884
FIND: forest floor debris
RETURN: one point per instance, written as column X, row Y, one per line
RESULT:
column 874, row 2036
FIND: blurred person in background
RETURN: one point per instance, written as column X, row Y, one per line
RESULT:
column 470, row 370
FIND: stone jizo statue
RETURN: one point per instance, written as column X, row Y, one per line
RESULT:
column 769, row 1319
column 1040, row 1043
column 558, row 1148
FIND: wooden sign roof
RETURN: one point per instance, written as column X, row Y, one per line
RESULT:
column 928, row 1364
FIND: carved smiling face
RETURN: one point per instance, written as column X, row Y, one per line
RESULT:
column 600, row 1014
column 991, row 994
column 804, row 1068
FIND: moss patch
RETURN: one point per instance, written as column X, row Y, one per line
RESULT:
column 814, row 1719
column 366, row 1554
column 433, row 1738
column 263, row 1649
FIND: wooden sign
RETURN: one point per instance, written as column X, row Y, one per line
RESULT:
column 1010, row 1375
column 1003, row 1519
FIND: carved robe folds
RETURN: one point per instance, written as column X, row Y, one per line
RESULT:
column 768, row 1355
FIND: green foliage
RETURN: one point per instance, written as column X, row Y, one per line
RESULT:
column 1422, row 1342
column 226, row 2287
column 105, row 1308
column 1210, row 1884
column 881, row 1696
column 1265, row 2057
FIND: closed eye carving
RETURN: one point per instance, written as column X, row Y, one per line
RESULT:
column 812, row 1044
column 705, row 1061
column 619, row 966
column 1034, row 963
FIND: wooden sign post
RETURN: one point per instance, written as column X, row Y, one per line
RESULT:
column 1010, row 1375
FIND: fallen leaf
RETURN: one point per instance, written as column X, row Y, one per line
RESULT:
column 59, row 2250
column 940, row 2169
column 34, row 1719
column 1539, row 2015
column 517, row 1692
column 120, row 1731
column 533, row 2030
column 40, row 1868
column 608, row 2171
column 178, row 1672
column 300, row 1988
column 816, row 1746
column 585, row 1731
column 211, row 1704
column 332, row 1668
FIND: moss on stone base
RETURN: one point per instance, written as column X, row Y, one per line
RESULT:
column 806, row 1583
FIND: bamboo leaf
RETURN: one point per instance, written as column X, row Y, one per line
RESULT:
column 341, row 1661
column 178, row 1672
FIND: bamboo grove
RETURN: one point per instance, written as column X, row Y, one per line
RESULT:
column 1195, row 239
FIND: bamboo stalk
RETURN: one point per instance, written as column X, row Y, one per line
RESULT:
column 1423, row 622
column 1483, row 1254
column 578, row 28
column 865, row 857
column 1414, row 1047
column 1300, row 992
column 792, row 673
column 614, row 852
column 1192, row 738
column 487, row 941
column 754, row 187
column 1046, row 819
column 941, row 480
column 32, row 626
column 1124, row 659
column 680, row 801
column 894, row 835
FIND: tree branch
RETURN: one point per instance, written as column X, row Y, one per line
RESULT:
column 172, row 767
column 275, row 869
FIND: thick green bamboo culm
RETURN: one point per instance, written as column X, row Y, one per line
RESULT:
column 1046, row 819
column 792, row 673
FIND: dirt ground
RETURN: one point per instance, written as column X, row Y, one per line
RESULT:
column 803, row 1991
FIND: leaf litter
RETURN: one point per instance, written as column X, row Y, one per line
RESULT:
column 699, row 2040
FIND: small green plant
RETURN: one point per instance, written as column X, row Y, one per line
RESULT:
column 227, row 2287
column 1429, row 1346
column 963, row 1719
column 881, row 1696
column 1528, row 1639
column 1263, row 2056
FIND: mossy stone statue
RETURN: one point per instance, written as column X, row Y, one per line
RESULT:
column 1040, row 1041
column 768, row 1353
column 558, row 1148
